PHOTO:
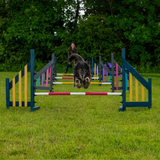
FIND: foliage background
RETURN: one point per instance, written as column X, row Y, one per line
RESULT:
column 106, row 27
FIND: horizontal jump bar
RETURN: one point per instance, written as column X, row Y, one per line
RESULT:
column 78, row 93
column 90, row 82
column 72, row 77
column 63, row 74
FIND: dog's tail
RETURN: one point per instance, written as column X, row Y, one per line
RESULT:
column 75, row 56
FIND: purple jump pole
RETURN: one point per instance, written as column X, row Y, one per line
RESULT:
column 47, row 78
column 103, row 74
column 116, row 76
column 67, row 77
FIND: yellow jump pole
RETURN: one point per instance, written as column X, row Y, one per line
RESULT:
column 25, row 87
column 20, row 88
column 142, row 93
column 97, row 70
column 130, row 86
column 136, row 90
column 67, row 82
column 14, row 92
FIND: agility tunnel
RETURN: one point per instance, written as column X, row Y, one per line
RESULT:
column 11, row 85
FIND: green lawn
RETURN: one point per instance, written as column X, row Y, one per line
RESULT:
column 80, row 127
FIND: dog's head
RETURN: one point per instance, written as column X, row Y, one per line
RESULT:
column 82, row 69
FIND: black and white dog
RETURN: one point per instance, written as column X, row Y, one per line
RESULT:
column 82, row 72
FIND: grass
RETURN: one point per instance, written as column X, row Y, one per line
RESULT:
column 80, row 127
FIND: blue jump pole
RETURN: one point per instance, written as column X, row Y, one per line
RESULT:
column 7, row 93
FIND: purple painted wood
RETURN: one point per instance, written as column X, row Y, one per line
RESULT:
column 47, row 77
column 103, row 74
column 116, row 76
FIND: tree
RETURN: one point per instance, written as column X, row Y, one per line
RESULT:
column 71, row 19
column 42, row 25
column 96, row 38
column 37, row 25
column 137, row 21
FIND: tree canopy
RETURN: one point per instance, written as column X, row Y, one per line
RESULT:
column 107, row 26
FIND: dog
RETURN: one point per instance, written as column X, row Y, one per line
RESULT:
column 82, row 72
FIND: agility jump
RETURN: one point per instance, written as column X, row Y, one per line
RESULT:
column 99, row 71
column 63, row 74
column 90, row 83
column 11, row 85
column 78, row 93
column 73, row 78
column 96, row 74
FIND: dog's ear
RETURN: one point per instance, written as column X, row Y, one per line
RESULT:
column 88, row 61
column 76, row 62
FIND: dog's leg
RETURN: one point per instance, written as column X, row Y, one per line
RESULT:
column 87, row 79
column 77, row 83
column 86, row 82
column 74, row 81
